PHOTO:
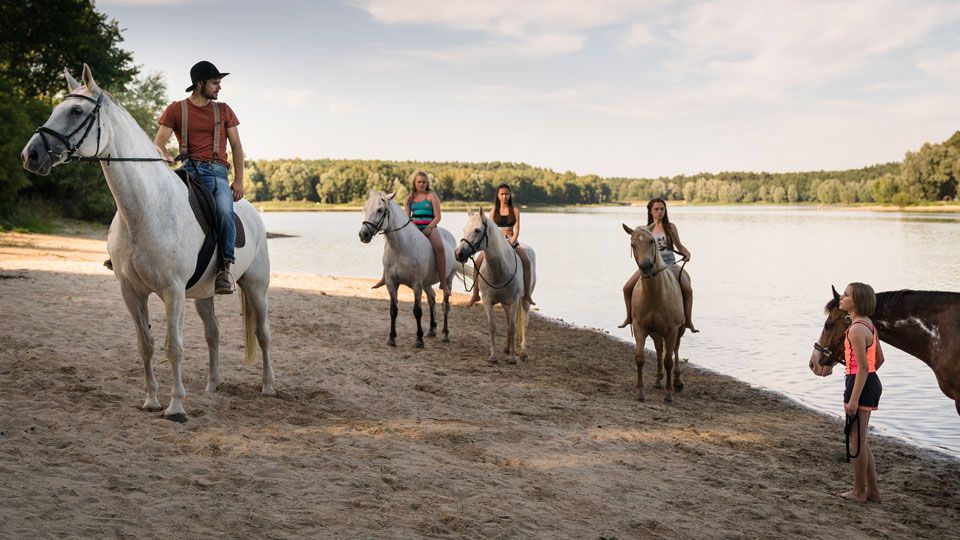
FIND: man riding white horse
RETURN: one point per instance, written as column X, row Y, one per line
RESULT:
column 198, row 122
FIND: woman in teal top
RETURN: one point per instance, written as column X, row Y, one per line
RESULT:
column 423, row 207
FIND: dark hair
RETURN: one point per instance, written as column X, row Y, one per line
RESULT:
column 665, row 221
column 864, row 299
column 496, row 199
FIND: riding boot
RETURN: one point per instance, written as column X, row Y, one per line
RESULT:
column 225, row 283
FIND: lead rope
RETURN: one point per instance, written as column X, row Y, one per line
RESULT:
column 847, row 428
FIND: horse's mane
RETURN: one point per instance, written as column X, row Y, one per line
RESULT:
column 897, row 299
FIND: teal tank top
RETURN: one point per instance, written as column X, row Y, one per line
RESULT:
column 421, row 213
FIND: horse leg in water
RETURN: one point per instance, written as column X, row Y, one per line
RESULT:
column 392, row 291
column 432, row 304
column 174, row 300
column 253, row 297
column 211, row 331
column 491, row 328
column 510, row 310
column 641, row 337
column 418, row 313
column 137, row 306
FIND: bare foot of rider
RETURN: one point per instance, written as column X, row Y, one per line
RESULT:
column 473, row 300
column 529, row 300
column 380, row 283
column 626, row 323
column 690, row 327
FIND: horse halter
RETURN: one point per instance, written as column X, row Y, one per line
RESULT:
column 378, row 226
column 92, row 116
column 826, row 353
column 71, row 149
column 485, row 239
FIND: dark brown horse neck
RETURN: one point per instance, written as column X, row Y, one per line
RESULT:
column 917, row 322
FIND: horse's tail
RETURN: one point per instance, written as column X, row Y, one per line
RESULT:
column 249, row 329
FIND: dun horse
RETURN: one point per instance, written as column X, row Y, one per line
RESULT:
column 154, row 238
column 923, row 324
column 657, row 311
column 407, row 260
column 501, row 281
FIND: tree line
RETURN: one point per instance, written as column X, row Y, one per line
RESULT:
column 41, row 37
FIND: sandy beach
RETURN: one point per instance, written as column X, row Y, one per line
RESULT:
column 368, row 441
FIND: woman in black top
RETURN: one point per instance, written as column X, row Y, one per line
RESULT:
column 507, row 217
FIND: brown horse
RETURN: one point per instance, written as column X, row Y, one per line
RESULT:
column 657, row 311
column 923, row 324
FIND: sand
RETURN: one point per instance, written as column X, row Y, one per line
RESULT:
column 368, row 441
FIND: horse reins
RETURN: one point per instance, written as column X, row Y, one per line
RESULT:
column 485, row 238
column 92, row 117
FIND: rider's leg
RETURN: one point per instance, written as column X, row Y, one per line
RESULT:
column 687, row 291
column 476, row 284
column 214, row 176
column 526, row 275
column 440, row 256
column 628, row 297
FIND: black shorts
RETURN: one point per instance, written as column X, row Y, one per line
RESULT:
column 869, row 396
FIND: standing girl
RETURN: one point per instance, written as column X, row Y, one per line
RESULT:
column 668, row 240
column 862, row 354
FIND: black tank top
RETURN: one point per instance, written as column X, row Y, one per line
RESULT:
column 505, row 221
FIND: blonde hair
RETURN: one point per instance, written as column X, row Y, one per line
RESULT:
column 864, row 299
column 413, row 185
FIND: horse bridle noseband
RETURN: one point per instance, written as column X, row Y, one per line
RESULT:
column 484, row 238
column 827, row 352
column 378, row 226
column 92, row 117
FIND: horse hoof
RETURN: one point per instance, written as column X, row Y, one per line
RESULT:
column 419, row 345
column 269, row 392
column 641, row 399
column 392, row 342
column 178, row 418
column 512, row 361
column 494, row 361
column 432, row 333
column 151, row 408
column 678, row 386
column 446, row 338
column 668, row 399
column 657, row 386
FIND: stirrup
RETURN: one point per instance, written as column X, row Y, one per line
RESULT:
column 231, row 283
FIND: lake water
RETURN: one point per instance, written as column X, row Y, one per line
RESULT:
column 761, row 276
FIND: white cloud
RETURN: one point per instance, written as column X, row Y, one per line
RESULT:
column 502, row 94
column 943, row 68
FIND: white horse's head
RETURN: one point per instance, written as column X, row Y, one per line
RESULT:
column 75, row 127
column 644, row 249
column 476, row 236
column 376, row 215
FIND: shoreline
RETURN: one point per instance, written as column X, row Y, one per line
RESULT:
column 366, row 440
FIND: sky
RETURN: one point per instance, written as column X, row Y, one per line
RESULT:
column 640, row 88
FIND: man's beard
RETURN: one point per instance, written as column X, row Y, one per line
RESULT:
column 208, row 95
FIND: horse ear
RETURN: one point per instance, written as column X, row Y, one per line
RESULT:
column 469, row 212
column 836, row 296
column 628, row 229
column 391, row 195
column 88, row 79
column 72, row 83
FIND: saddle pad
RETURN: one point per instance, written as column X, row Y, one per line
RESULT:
column 203, row 206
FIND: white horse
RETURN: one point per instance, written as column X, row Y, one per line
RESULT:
column 154, row 238
column 407, row 260
column 501, row 280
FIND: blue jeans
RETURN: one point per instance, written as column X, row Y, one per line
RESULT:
column 213, row 174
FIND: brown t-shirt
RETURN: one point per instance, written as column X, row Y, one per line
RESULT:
column 200, row 128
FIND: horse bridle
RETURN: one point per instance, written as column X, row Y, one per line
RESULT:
column 378, row 226
column 827, row 352
column 485, row 238
column 92, row 117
